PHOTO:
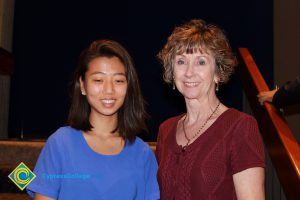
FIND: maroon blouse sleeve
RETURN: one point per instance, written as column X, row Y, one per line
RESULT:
column 247, row 149
column 158, row 145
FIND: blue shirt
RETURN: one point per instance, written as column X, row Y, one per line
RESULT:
column 69, row 169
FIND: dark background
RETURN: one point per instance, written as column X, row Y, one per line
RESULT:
column 49, row 36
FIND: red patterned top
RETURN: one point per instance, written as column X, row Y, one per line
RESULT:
column 205, row 169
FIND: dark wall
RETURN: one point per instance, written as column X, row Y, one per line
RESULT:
column 48, row 37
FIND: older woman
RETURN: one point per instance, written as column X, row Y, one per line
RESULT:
column 212, row 151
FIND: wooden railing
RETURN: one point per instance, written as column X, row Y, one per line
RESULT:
column 6, row 62
column 279, row 140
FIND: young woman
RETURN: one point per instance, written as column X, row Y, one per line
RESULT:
column 98, row 156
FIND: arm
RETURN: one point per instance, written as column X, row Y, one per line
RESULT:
column 41, row 197
column 249, row 184
column 248, row 160
column 288, row 94
column 266, row 96
column 49, row 163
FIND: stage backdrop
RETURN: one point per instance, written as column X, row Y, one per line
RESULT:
column 49, row 36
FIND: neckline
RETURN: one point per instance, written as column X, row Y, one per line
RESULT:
column 91, row 151
column 178, row 148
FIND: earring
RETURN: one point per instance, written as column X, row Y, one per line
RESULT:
column 217, row 87
column 83, row 93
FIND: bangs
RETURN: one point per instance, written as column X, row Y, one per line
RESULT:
column 190, row 47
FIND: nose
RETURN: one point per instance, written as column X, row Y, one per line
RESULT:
column 189, row 70
column 108, row 87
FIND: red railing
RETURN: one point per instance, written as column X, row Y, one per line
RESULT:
column 279, row 140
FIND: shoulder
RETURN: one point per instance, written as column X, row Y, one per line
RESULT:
column 63, row 135
column 235, row 123
column 170, row 122
column 166, row 128
column 139, row 150
column 140, row 145
column 241, row 125
column 235, row 116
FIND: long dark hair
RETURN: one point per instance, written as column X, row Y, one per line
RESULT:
column 131, row 116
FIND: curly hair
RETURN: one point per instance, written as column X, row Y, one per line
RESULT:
column 198, row 36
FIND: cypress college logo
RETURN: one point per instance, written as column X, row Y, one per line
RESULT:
column 22, row 176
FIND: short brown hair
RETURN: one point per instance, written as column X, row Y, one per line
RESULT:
column 131, row 115
column 195, row 36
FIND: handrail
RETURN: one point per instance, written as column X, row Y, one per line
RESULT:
column 6, row 62
column 279, row 140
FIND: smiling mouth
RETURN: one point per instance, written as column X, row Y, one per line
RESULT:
column 108, row 101
column 191, row 84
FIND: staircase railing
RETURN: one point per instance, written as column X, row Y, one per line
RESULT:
column 6, row 62
column 279, row 140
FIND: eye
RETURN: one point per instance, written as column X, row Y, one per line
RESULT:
column 98, row 80
column 120, row 80
column 180, row 62
column 202, row 62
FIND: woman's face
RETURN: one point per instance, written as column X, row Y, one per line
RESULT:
column 105, row 85
column 194, row 74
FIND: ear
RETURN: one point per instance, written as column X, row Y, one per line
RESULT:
column 82, row 88
column 216, row 78
column 216, row 75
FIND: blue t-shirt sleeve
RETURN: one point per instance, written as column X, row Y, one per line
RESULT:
column 152, row 189
column 47, row 170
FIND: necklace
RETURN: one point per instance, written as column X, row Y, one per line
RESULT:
column 199, row 130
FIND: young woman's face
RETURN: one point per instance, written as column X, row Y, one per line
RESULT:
column 194, row 74
column 105, row 85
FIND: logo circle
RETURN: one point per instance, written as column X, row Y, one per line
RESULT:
column 17, row 176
